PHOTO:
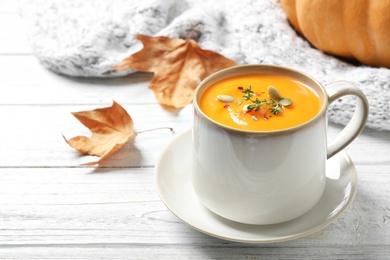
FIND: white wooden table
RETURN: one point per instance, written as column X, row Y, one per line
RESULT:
column 53, row 208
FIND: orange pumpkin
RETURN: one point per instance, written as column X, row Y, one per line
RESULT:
column 357, row 29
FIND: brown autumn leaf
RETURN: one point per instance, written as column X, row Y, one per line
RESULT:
column 177, row 65
column 111, row 128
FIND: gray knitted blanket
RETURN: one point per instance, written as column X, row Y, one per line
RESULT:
column 86, row 38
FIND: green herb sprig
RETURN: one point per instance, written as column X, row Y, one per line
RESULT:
column 248, row 93
column 275, row 107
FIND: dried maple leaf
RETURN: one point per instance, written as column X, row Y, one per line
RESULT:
column 111, row 128
column 177, row 65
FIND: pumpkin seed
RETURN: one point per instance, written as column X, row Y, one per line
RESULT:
column 226, row 98
column 274, row 93
column 285, row 102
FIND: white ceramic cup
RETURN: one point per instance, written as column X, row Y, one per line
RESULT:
column 267, row 177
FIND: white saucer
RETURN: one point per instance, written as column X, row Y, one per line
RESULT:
column 173, row 181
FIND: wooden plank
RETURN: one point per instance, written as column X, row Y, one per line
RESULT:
column 13, row 36
column 370, row 147
column 192, row 252
column 25, row 81
column 82, row 207
column 31, row 136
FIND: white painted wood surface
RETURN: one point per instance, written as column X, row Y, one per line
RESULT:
column 53, row 208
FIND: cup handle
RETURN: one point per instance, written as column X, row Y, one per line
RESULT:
column 356, row 124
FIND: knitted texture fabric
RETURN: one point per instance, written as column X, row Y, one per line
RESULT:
column 86, row 38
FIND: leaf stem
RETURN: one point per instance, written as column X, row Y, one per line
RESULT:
column 154, row 129
column 193, row 31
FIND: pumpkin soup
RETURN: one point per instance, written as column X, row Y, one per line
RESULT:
column 259, row 102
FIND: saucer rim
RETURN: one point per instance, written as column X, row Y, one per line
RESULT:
column 353, row 181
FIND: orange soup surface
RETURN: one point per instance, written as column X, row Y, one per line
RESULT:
column 306, row 103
